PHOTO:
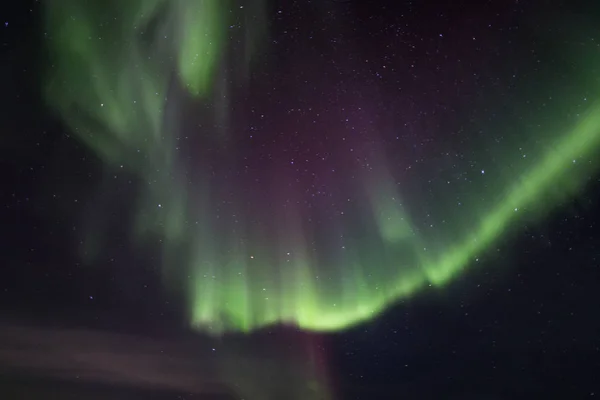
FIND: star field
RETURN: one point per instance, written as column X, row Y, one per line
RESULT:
column 413, row 179
column 313, row 186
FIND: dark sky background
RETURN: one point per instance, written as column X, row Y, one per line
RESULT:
column 524, row 325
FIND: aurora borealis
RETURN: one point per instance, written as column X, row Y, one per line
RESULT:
column 309, row 196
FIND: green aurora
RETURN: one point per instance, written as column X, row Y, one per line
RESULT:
column 110, row 82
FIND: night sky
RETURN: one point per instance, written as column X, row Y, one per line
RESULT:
column 300, row 200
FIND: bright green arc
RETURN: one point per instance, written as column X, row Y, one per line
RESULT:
column 556, row 177
column 108, row 80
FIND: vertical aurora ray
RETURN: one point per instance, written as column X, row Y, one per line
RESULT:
column 202, row 39
column 249, row 256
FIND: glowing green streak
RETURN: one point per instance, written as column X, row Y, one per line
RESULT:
column 109, row 82
column 554, row 178
column 391, row 219
column 201, row 44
